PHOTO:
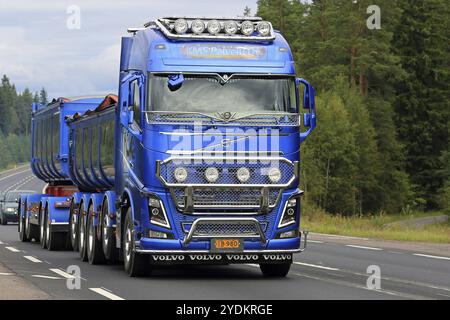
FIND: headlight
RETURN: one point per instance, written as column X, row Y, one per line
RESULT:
column 247, row 28
column 181, row 26
column 243, row 174
column 157, row 213
column 180, row 174
column 10, row 210
column 212, row 174
column 231, row 27
column 263, row 28
column 198, row 26
column 274, row 175
column 214, row 27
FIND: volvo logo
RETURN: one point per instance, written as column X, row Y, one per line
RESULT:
column 226, row 142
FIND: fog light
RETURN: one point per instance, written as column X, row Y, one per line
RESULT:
column 243, row 174
column 157, row 234
column 181, row 26
column 274, row 175
column 263, row 28
column 288, row 234
column 180, row 174
column 212, row 174
column 198, row 26
column 247, row 28
column 292, row 203
column 231, row 27
column 157, row 214
column 214, row 27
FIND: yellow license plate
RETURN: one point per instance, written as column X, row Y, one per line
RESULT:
column 226, row 244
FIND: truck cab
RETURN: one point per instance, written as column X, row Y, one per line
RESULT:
column 208, row 133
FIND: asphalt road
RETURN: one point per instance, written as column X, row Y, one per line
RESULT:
column 327, row 270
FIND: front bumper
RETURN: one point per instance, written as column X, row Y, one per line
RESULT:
column 10, row 216
column 198, row 252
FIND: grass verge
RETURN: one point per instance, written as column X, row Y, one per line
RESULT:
column 373, row 226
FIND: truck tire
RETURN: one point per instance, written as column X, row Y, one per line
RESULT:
column 94, row 244
column 22, row 232
column 275, row 270
column 42, row 229
column 108, row 237
column 135, row 264
column 82, row 234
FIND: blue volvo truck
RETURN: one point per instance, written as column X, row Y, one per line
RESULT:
column 195, row 161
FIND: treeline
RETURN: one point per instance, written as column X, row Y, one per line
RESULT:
column 15, row 122
column 382, row 141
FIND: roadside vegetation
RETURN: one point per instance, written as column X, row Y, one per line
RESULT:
column 376, row 226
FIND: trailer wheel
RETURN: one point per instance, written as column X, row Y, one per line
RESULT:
column 22, row 232
column 42, row 229
column 94, row 245
column 108, row 237
column 135, row 264
column 275, row 270
column 82, row 234
column 73, row 227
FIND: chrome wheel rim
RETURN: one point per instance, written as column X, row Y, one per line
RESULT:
column 91, row 236
column 82, row 235
column 128, row 245
column 73, row 222
column 105, row 231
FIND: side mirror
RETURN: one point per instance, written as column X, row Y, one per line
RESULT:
column 309, row 119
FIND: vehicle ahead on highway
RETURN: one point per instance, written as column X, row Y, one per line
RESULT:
column 8, row 205
column 196, row 161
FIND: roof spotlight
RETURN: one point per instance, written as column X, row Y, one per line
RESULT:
column 181, row 26
column 198, row 26
column 263, row 28
column 231, row 27
column 214, row 27
column 247, row 28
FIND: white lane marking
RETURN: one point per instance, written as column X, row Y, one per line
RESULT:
column 32, row 259
column 362, row 247
column 430, row 256
column 12, row 249
column 46, row 277
column 337, row 236
column 14, row 174
column 106, row 294
column 315, row 241
column 62, row 273
column 6, row 274
column 18, row 167
column 315, row 266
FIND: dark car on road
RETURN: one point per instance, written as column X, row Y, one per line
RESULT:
column 8, row 205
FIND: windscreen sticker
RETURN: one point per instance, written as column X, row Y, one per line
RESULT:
column 223, row 51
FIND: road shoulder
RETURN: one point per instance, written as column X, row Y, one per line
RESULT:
column 13, row 287
column 441, row 249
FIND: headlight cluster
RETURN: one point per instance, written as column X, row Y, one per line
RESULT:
column 10, row 210
column 157, row 213
column 290, row 212
column 214, row 27
column 212, row 174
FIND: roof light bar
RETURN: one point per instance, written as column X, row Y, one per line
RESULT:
column 231, row 29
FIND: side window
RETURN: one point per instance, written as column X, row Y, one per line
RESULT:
column 135, row 104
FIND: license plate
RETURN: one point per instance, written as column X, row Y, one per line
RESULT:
column 226, row 245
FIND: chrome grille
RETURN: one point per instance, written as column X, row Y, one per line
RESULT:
column 223, row 198
column 266, row 119
column 221, row 229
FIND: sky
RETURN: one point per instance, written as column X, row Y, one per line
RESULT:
column 43, row 44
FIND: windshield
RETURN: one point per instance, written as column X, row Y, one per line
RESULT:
column 210, row 94
column 11, row 197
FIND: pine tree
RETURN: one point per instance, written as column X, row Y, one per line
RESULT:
column 422, row 105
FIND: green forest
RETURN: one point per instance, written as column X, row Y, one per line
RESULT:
column 382, row 140
column 15, row 121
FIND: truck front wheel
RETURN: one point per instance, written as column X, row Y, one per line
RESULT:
column 275, row 270
column 135, row 264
